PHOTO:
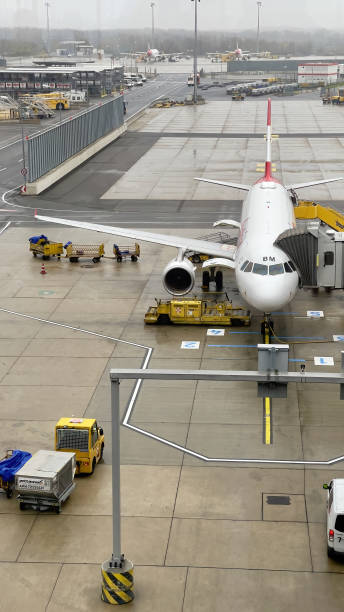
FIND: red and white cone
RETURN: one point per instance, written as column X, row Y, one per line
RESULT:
column 43, row 270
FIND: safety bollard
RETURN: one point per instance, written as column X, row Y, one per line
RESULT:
column 117, row 583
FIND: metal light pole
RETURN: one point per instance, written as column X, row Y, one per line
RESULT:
column 259, row 6
column 195, row 53
column 153, row 31
column 117, row 572
column 48, row 27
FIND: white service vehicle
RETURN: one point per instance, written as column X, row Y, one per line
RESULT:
column 76, row 97
column 335, row 516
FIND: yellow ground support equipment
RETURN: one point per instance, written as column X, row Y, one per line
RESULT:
column 197, row 312
column 312, row 210
column 90, row 251
column 40, row 245
column 56, row 101
column 82, row 437
column 238, row 96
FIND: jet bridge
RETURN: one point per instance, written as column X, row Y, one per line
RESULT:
column 317, row 252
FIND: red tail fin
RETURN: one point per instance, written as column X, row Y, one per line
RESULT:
column 268, row 175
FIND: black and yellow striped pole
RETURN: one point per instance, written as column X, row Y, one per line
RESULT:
column 118, row 572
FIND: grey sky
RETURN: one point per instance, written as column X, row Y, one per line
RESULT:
column 213, row 14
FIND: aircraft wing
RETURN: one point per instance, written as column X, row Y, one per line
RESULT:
column 188, row 244
column 311, row 183
column 224, row 184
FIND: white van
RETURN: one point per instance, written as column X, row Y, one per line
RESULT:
column 335, row 516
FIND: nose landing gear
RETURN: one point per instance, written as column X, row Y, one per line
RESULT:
column 267, row 329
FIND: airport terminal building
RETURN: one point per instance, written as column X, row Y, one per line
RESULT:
column 275, row 66
column 95, row 79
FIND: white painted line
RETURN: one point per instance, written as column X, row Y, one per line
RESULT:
column 10, row 144
column 2, row 169
column 5, row 227
column 324, row 361
column 20, row 160
column 152, row 436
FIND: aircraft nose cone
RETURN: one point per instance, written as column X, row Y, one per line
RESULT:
column 271, row 293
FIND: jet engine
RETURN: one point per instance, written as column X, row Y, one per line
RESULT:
column 179, row 276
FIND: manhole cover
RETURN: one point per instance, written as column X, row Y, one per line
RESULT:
column 278, row 500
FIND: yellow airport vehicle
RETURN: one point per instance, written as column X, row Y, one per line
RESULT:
column 82, row 437
column 40, row 245
column 312, row 210
column 56, row 101
column 339, row 98
column 197, row 312
column 238, row 96
column 90, row 251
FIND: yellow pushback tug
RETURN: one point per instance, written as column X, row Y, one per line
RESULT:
column 197, row 312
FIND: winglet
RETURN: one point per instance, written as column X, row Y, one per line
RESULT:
column 35, row 212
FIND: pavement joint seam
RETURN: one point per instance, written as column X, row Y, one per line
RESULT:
column 54, row 587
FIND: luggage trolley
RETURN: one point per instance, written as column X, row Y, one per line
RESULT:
column 124, row 252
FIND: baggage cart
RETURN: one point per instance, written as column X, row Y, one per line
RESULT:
column 46, row 480
column 9, row 465
column 124, row 252
column 40, row 245
column 89, row 251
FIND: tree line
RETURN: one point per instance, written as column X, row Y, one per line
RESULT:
column 32, row 41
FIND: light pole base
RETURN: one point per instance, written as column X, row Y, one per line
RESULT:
column 117, row 582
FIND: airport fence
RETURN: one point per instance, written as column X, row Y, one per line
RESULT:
column 51, row 148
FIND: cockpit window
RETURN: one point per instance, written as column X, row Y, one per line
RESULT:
column 287, row 267
column 244, row 265
column 292, row 265
column 276, row 269
column 249, row 267
column 260, row 269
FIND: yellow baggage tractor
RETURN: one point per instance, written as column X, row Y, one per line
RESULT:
column 40, row 245
column 82, row 437
column 197, row 312
column 90, row 251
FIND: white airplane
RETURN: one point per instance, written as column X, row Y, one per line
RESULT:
column 239, row 54
column 152, row 55
column 266, row 277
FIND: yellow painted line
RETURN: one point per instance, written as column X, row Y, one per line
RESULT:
column 267, row 420
column 267, row 405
